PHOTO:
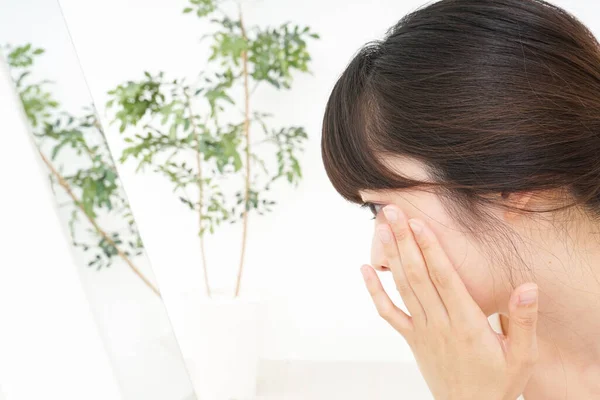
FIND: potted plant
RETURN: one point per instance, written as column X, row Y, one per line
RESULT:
column 168, row 121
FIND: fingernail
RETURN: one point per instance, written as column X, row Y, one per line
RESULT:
column 390, row 214
column 528, row 297
column 415, row 226
column 363, row 271
column 384, row 235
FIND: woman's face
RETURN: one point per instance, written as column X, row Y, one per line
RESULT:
column 481, row 278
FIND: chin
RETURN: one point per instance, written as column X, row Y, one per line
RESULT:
column 487, row 303
column 488, row 309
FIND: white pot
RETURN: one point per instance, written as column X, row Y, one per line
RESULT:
column 222, row 347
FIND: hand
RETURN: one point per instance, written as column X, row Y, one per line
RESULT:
column 459, row 354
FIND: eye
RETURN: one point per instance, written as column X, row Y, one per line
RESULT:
column 375, row 208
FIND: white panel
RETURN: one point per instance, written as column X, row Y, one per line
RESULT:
column 49, row 344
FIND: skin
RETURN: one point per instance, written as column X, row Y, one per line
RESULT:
column 551, row 355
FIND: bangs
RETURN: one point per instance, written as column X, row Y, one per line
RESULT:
column 352, row 128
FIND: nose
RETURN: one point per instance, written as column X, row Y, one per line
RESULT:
column 378, row 259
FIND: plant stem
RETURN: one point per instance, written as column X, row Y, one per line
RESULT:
column 247, row 134
column 196, row 133
column 100, row 231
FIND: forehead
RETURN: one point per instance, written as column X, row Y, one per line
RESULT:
column 404, row 166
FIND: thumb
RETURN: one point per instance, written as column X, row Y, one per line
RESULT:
column 523, row 316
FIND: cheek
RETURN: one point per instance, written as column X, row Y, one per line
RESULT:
column 472, row 267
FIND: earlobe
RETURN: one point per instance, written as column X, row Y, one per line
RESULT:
column 515, row 202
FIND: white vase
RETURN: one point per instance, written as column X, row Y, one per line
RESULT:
column 222, row 346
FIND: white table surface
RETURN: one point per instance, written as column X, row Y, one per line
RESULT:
column 313, row 380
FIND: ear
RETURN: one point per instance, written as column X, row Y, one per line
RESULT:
column 519, row 201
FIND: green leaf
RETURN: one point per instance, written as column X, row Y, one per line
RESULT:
column 187, row 10
column 237, row 162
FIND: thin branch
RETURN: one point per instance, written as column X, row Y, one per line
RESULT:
column 247, row 134
column 97, row 228
column 98, row 126
column 148, row 126
column 196, row 133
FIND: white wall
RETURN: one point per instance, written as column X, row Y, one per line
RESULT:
column 302, row 257
column 305, row 256
column 49, row 341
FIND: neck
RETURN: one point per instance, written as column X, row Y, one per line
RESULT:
column 569, row 320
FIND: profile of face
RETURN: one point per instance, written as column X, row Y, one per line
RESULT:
column 467, row 99
column 484, row 280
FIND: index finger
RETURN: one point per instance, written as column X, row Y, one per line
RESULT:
column 448, row 283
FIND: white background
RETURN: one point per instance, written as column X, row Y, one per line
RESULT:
column 49, row 341
column 304, row 257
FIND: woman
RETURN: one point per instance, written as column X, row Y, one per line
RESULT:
column 472, row 133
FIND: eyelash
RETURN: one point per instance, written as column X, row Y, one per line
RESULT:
column 373, row 207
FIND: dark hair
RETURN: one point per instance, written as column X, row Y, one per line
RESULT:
column 493, row 96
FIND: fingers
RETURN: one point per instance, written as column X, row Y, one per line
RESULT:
column 443, row 275
column 523, row 316
column 395, row 265
column 385, row 307
column 410, row 261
